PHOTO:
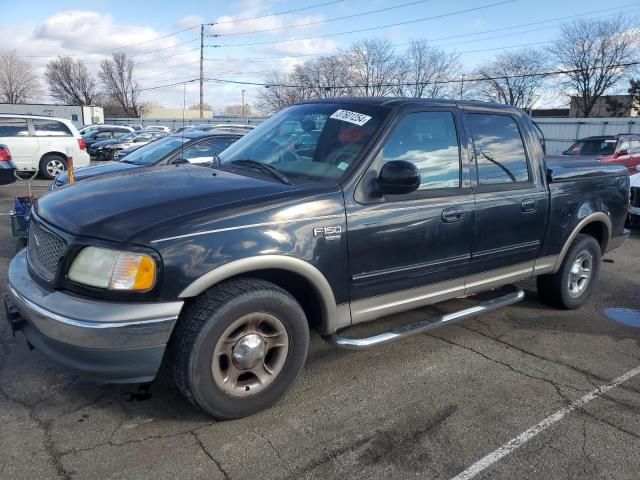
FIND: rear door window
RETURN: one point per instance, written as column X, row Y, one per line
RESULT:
column 500, row 155
column 51, row 128
column 13, row 127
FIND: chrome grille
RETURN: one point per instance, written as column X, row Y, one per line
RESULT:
column 44, row 250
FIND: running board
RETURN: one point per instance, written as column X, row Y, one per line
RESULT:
column 507, row 295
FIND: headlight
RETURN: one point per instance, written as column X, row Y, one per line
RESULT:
column 113, row 269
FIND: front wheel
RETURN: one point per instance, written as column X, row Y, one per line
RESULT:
column 238, row 347
column 571, row 286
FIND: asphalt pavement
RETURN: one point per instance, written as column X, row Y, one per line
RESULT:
column 516, row 393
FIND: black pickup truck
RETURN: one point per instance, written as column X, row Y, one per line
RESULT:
column 328, row 214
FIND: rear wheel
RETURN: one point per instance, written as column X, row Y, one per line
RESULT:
column 571, row 286
column 52, row 165
column 239, row 346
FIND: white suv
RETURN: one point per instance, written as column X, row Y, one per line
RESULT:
column 42, row 143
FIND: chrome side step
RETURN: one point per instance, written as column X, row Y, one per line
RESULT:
column 507, row 295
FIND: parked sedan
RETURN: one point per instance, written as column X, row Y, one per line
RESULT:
column 107, row 150
column 619, row 149
column 104, row 133
column 199, row 148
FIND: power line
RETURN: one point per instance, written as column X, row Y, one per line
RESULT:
column 317, row 5
column 264, row 59
column 168, row 56
column 275, row 57
column 174, row 67
column 317, row 22
column 495, row 4
column 165, row 48
column 97, row 52
column 171, row 84
column 409, row 84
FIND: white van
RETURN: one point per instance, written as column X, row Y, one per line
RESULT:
column 42, row 143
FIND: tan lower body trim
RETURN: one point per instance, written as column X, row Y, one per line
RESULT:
column 545, row 265
column 382, row 305
column 376, row 307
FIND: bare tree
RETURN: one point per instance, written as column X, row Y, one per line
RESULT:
column 374, row 68
column 205, row 106
column 18, row 82
column 282, row 91
column 326, row 76
column 236, row 110
column 70, row 82
column 121, row 89
column 511, row 78
column 427, row 68
column 594, row 54
column 368, row 68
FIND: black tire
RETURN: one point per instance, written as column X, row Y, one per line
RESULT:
column 554, row 289
column 48, row 161
column 201, row 327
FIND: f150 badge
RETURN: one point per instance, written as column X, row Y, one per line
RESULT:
column 329, row 233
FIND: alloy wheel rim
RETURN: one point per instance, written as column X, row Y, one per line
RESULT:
column 580, row 274
column 55, row 167
column 250, row 354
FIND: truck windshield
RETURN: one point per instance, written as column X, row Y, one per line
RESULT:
column 317, row 141
column 592, row 147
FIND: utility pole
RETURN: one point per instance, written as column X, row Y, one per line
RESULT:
column 461, row 86
column 242, row 103
column 201, row 66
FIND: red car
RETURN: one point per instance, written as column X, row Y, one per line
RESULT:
column 620, row 149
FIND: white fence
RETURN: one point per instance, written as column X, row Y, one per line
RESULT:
column 560, row 133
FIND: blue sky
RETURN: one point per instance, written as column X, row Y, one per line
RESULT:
column 40, row 30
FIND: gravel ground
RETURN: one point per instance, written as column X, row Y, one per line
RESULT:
column 426, row 407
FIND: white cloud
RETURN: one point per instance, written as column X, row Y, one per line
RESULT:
column 189, row 21
column 309, row 46
column 92, row 36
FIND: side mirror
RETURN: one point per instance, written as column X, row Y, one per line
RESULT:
column 179, row 161
column 621, row 153
column 398, row 177
column 564, row 152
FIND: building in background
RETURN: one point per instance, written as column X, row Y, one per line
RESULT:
column 80, row 115
column 606, row 106
column 158, row 113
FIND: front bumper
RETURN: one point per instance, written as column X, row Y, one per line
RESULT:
column 106, row 341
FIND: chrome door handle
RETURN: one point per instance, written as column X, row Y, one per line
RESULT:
column 529, row 205
column 452, row 215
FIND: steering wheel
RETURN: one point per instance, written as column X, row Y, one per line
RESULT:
column 289, row 155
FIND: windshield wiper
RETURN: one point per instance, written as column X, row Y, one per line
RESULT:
column 263, row 167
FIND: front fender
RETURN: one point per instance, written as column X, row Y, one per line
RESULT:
column 333, row 317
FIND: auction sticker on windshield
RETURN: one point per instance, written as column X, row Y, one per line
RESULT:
column 351, row 117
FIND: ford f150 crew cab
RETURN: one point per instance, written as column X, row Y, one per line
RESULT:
column 328, row 214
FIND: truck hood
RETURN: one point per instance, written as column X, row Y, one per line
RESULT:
column 117, row 207
column 94, row 170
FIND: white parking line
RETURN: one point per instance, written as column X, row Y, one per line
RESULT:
column 527, row 435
